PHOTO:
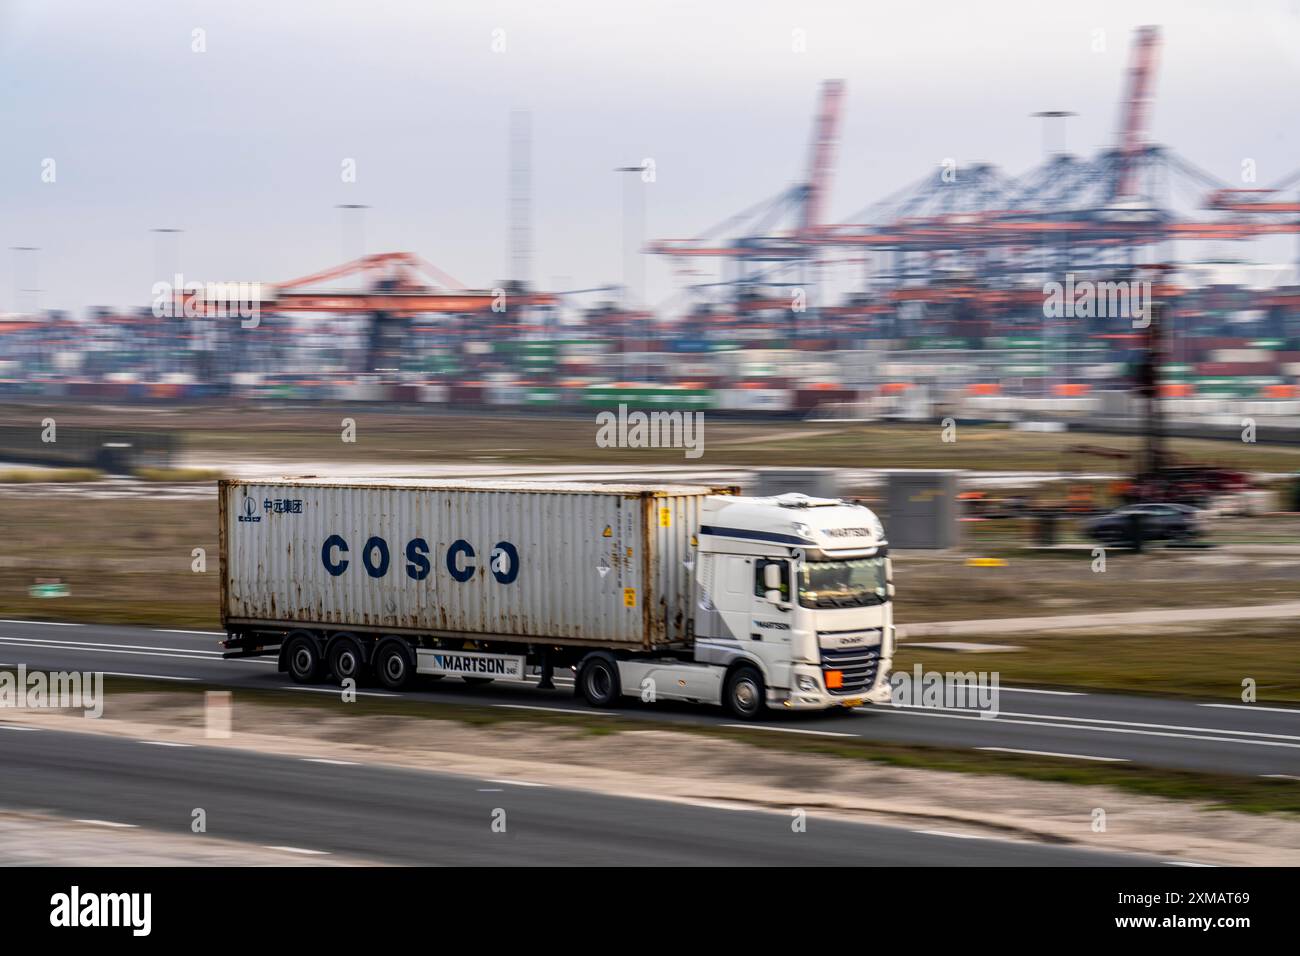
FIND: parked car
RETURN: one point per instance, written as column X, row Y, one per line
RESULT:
column 1159, row 522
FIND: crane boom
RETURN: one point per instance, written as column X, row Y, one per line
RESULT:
column 821, row 156
column 1136, row 109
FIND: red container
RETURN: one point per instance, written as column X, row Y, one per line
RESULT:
column 1236, row 368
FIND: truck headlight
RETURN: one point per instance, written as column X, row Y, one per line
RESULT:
column 806, row 683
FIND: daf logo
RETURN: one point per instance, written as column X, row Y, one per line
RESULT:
column 250, row 510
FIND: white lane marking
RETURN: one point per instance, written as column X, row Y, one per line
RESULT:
column 16, row 727
column 1279, row 776
column 949, row 833
column 332, row 763
column 149, row 676
column 164, row 630
column 339, row 691
column 1035, row 690
column 6, row 620
column 1101, row 720
column 1051, row 753
column 731, row 807
column 490, row 790
column 93, row 649
column 1108, row 730
column 792, row 730
column 110, row 823
column 1186, row 863
column 78, row 645
column 558, row 710
column 163, row 743
column 297, row 849
column 519, row 783
column 1272, row 710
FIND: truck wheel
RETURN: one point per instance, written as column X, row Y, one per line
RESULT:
column 393, row 665
column 303, row 658
column 744, row 696
column 598, row 682
column 345, row 659
column 476, row 681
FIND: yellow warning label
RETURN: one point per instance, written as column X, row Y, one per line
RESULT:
column 665, row 518
column 985, row 563
column 608, row 532
column 629, row 597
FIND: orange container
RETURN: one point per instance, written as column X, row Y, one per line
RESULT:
column 1175, row 389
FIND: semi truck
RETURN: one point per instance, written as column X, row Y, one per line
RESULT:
column 655, row 591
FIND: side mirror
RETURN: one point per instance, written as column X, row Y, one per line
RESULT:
column 772, row 579
column 773, row 595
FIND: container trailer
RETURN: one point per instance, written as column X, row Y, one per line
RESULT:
column 663, row 592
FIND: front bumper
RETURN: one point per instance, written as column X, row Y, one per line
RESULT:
column 808, row 690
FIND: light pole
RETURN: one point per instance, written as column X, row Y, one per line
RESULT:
column 633, row 267
column 30, row 286
column 355, row 212
column 1047, row 115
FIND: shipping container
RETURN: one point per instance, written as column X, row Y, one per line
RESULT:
column 510, row 559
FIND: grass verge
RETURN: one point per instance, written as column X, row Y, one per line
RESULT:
column 30, row 476
column 178, row 474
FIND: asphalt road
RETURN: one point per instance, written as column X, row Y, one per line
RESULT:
column 1247, row 739
column 304, row 809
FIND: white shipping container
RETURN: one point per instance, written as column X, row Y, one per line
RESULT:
column 1241, row 355
column 433, row 393
column 559, row 563
column 755, row 399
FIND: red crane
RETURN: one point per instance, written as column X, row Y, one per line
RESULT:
column 1135, row 112
column 821, row 155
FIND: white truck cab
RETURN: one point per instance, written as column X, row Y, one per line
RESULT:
column 793, row 610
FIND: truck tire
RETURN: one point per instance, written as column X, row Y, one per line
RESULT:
column 345, row 659
column 303, row 659
column 598, row 682
column 744, row 695
column 393, row 665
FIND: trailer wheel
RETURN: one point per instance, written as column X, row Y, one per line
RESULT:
column 745, row 696
column 345, row 659
column 393, row 665
column 598, row 682
column 303, row 659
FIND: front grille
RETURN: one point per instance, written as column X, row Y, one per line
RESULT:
column 857, row 664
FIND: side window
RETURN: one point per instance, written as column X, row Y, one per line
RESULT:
column 760, row 589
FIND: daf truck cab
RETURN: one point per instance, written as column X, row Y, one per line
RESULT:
column 793, row 611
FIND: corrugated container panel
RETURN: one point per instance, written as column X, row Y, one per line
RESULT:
column 536, row 551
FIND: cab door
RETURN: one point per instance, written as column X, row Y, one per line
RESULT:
column 771, row 623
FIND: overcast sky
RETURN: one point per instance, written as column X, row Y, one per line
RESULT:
column 242, row 145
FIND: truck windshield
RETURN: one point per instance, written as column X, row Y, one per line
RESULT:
column 843, row 583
